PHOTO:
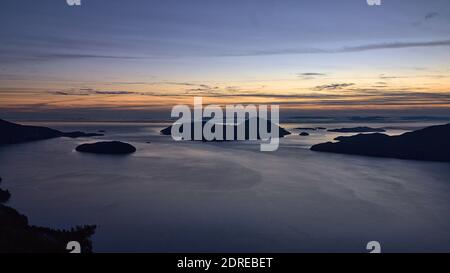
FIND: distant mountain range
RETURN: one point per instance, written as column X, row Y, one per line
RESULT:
column 364, row 119
column 358, row 130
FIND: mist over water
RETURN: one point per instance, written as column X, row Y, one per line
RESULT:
column 229, row 197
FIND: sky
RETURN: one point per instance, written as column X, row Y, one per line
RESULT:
column 112, row 59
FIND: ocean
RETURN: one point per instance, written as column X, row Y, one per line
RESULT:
column 229, row 197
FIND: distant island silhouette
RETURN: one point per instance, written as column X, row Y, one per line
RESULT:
column 431, row 144
column 13, row 133
column 304, row 134
column 107, row 147
column 17, row 236
column 358, row 130
column 227, row 127
column 310, row 128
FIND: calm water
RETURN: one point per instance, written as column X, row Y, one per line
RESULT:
column 229, row 197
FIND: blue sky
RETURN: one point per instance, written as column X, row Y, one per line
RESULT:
column 273, row 48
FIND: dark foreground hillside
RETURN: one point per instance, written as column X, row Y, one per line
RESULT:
column 17, row 236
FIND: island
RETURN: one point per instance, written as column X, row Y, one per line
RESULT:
column 358, row 130
column 13, row 133
column 429, row 144
column 310, row 128
column 18, row 236
column 107, row 147
column 304, row 134
column 226, row 127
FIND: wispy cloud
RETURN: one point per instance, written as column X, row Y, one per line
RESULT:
column 311, row 74
column 387, row 77
column 62, row 93
column 431, row 15
column 363, row 98
column 394, row 45
column 15, row 57
column 75, row 56
column 427, row 17
column 334, row 86
column 114, row 92
column 90, row 91
column 347, row 49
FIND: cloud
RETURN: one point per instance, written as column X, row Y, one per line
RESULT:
column 334, row 86
column 13, row 56
column 363, row 98
column 312, row 74
column 71, row 92
column 127, row 83
column 427, row 17
column 203, row 89
column 380, row 85
column 346, row 49
column 431, row 15
column 89, row 91
column 114, row 92
column 369, row 98
column 61, row 93
column 233, row 89
column 293, row 51
column 194, row 88
column 178, row 83
column 387, row 77
column 70, row 56
column 394, row 45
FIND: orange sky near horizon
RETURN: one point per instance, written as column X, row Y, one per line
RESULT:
column 312, row 92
